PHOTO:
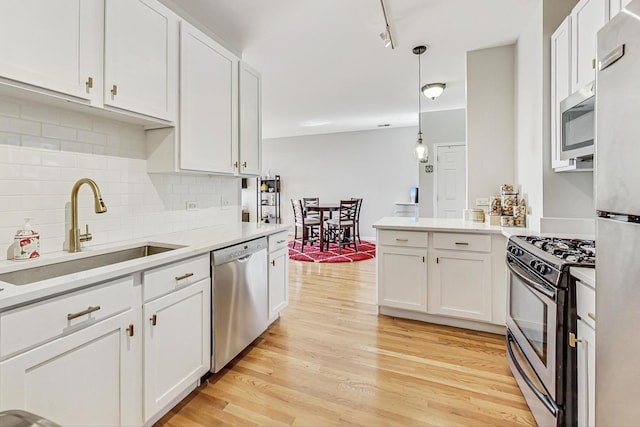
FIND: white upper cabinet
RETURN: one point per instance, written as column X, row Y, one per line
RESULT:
column 250, row 138
column 587, row 17
column 560, row 86
column 141, row 54
column 55, row 45
column 208, row 103
column 616, row 6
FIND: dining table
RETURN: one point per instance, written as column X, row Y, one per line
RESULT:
column 321, row 209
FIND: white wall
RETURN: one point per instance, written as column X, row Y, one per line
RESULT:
column 550, row 195
column 376, row 165
column 490, row 121
column 44, row 150
column 437, row 127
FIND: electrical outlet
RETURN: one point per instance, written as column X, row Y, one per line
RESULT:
column 192, row 206
column 482, row 201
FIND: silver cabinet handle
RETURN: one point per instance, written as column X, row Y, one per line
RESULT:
column 400, row 239
column 592, row 315
column 184, row 276
column 281, row 241
column 72, row 316
column 462, row 243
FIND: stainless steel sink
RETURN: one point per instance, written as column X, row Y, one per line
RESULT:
column 44, row 272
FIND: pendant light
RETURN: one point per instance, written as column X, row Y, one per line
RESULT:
column 420, row 151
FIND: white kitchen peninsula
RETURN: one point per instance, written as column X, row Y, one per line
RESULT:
column 442, row 270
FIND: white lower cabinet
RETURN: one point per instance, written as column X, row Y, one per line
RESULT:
column 177, row 344
column 402, row 278
column 586, row 353
column 452, row 278
column 278, row 271
column 87, row 378
column 586, row 374
column 118, row 353
column 278, row 274
column 460, row 284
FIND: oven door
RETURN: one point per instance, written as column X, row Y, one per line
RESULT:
column 531, row 320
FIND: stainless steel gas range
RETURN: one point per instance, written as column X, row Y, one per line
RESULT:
column 541, row 313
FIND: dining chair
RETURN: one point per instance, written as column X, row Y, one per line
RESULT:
column 311, row 201
column 308, row 227
column 357, row 224
column 341, row 230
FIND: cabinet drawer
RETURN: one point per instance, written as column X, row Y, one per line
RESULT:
column 162, row 280
column 27, row 326
column 462, row 242
column 278, row 241
column 417, row 239
column 586, row 303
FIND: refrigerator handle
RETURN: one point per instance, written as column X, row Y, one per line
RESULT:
column 612, row 57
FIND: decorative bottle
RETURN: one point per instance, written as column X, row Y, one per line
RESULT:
column 27, row 243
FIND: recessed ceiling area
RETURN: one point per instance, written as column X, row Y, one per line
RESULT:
column 325, row 68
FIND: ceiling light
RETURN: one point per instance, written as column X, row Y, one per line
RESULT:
column 433, row 90
column 420, row 151
column 386, row 34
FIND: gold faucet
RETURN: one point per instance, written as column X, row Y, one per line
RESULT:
column 74, row 234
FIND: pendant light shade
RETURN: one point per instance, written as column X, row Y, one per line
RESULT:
column 433, row 90
column 420, row 151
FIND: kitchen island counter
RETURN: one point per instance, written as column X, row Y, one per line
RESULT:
column 439, row 224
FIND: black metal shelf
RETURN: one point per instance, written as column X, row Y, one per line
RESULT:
column 271, row 190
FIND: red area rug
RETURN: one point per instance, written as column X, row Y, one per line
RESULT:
column 366, row 250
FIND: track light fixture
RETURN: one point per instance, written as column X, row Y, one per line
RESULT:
column 386, row 34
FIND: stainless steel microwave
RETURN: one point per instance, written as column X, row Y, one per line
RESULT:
column 578, row 124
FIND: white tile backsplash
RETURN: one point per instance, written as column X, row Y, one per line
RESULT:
column 45, row 150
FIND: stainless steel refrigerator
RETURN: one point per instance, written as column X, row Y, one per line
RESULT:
column 617, row 196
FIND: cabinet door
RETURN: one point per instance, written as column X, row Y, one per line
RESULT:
column 402, row 278
column 586, row 374
column 278, row 279
column 177, row 344
column 89, row 378
column 587, row 17
column 141, row 58
column 62, row 63
column 460, row 284
column 208, row 103
column 560, row 86
column 250, row 138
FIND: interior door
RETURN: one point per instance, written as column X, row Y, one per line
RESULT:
column 450, row 180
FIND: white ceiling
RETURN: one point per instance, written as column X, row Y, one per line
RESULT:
column 325, row 68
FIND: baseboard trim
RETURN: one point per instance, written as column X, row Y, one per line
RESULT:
column 444, row 320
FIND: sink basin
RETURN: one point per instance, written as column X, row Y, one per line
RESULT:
column 49, row 271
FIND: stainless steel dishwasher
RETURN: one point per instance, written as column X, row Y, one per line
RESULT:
column 240, row 304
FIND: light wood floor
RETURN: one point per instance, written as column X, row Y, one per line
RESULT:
column 331, row 360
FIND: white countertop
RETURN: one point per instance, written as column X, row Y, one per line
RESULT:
column 190, row 243
column 443, row 224
column 585, row 275
column 460, row 225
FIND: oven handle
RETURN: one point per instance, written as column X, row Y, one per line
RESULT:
column 541, row 289
column 541, row 396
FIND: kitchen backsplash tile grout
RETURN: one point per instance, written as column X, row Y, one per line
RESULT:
column 44, row 150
